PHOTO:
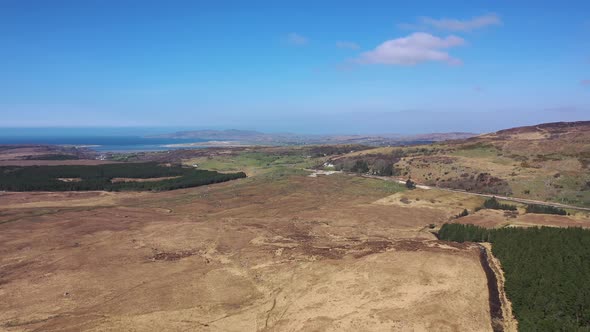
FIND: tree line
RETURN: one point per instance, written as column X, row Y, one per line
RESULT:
column 492, row 203
column 546, row 209
column 99, row 177
column 371, row 164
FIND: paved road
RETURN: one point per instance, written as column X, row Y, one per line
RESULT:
column 512, row 199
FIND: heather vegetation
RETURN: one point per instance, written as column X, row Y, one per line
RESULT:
column 100, row 177
column 546, row 271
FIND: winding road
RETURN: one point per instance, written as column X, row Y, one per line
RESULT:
column 512, row 199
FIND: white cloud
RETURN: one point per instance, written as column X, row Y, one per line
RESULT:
column 413, row 49
column 348, row 45
column 454, row 24
column 297, row 39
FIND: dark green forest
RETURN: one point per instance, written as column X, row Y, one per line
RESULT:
column 98, row 177
column 547, row 272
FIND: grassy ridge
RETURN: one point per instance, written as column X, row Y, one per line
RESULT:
column 98, row 177
column 547, row 272
column 549, row 164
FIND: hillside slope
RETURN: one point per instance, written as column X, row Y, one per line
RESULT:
column 571, row 138
column 549, row 162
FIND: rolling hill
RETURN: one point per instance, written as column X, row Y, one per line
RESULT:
column 548, row 162
column 258, row 138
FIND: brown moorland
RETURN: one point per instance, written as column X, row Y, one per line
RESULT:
column 282, row 252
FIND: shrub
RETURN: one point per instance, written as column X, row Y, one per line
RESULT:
column 463, row 213
column 410, row 184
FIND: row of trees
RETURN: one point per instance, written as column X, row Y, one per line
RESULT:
column 547, row 272
column 492, row 203
column 99, row 177
column 372, row 165
column 546, row 209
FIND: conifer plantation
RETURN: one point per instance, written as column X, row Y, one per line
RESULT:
column 99, row 177
column 547, row 271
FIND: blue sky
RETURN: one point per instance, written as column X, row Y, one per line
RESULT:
column 305, row 66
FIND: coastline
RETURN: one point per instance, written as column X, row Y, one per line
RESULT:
column 211, row 144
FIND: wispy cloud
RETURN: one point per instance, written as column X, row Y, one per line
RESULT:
column 585, row 82
column 463, row 25
column 450, row 24
column 348, row 45
column 297, row 39
column 414, row 49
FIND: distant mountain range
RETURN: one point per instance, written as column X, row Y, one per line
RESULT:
column 258, row 138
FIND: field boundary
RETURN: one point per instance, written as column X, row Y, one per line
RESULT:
column 509, row 322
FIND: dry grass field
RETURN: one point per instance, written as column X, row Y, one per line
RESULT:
column 446, row 202
column 279, row 252
column 451, row 204
column 498, row 218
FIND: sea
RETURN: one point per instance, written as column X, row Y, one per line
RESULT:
column 104, row 143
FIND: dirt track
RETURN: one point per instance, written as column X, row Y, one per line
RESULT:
column 285, row 254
